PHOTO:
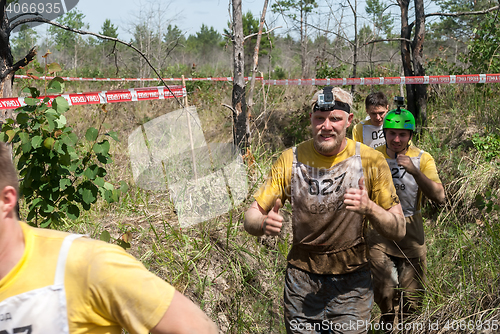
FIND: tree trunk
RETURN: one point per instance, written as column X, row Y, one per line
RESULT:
column 303, row 37
column 256, row 57
column 406, row 53
column 6, row 61
column 356, row 43
column 418, row 53
column 412, row 58
column 241, row 130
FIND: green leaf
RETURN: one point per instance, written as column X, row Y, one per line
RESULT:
column 113, row 135
column 123, row 244
column 48, row 207
column 22, row 118
column 88, row 197
column 25, row 137
column 60, row 104
column 52, row 124
column 54, row 67
column 102, row 147
column 91, row 134
column 88, row 191
column 56, row 86
column 103, row 159
column 31, row 101
column 105, row 236
column 123, row 187
column 99, row 181
column 32, row 91
column 31, row 214
column 73, row 212
column 36, row 141
column 91, row 172
column 61, row 122
column 64, row 183
column 45, row 223
column 26, row 147
column 10, row 135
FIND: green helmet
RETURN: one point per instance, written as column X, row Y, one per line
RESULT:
column 399, row 119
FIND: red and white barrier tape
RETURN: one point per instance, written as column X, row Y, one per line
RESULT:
column 431, row 79
column 112, row 96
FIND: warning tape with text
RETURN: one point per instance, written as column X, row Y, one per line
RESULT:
column 103, row 97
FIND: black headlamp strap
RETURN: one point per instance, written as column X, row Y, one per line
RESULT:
column 336, row 105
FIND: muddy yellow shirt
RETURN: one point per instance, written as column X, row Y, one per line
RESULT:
column 106, row 288
column 413, row 244
column 378, row 181
column 367, row 133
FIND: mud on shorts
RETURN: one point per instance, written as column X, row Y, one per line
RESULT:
column 396, row 276
column 327, row 303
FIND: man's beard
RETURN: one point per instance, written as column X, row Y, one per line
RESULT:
column 327, row 147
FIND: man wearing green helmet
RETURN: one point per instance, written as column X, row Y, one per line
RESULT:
column 398, row 268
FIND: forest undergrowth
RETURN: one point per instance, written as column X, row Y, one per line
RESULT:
column 237, row 279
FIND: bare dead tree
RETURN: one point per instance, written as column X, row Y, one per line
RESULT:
column 256, row 57
column 412, row 53
column 241, row 129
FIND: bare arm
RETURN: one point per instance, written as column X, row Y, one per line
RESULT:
column 184, row 317
column 259, row 222
column 431, row 189
column 389, row 223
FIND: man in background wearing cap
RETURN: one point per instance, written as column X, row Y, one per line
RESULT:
column 399, row 267
column 333, row 183
column 369, row 131
column 53, row 282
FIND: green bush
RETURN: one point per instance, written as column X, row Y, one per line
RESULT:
column 488, row 145
column 59, row 174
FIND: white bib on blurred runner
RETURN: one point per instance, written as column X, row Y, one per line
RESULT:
column 40, row 311
column 373, row 136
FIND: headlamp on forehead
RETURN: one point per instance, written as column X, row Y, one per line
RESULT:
column 327, row 102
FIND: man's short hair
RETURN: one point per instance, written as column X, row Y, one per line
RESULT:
column 377, row 99
column 8, row 174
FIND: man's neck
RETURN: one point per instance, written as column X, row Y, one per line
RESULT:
column 12, row 245
column 393, row 155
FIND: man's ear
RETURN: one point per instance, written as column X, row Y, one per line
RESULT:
column 8, row 196
column 350, row 117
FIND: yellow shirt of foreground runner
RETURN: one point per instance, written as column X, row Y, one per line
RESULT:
column 106, row 288
column 378, row 180
column 413, row 244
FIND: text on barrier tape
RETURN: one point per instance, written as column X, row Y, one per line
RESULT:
column 418, row 80
column 113, row 96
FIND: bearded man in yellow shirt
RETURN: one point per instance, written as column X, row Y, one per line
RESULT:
column 333, row 184
column 398, row 267
column 53, row 282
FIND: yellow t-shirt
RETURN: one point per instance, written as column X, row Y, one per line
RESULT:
column 378, row 180
column 413, row 244
column 357, row 131
column 106, row 288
